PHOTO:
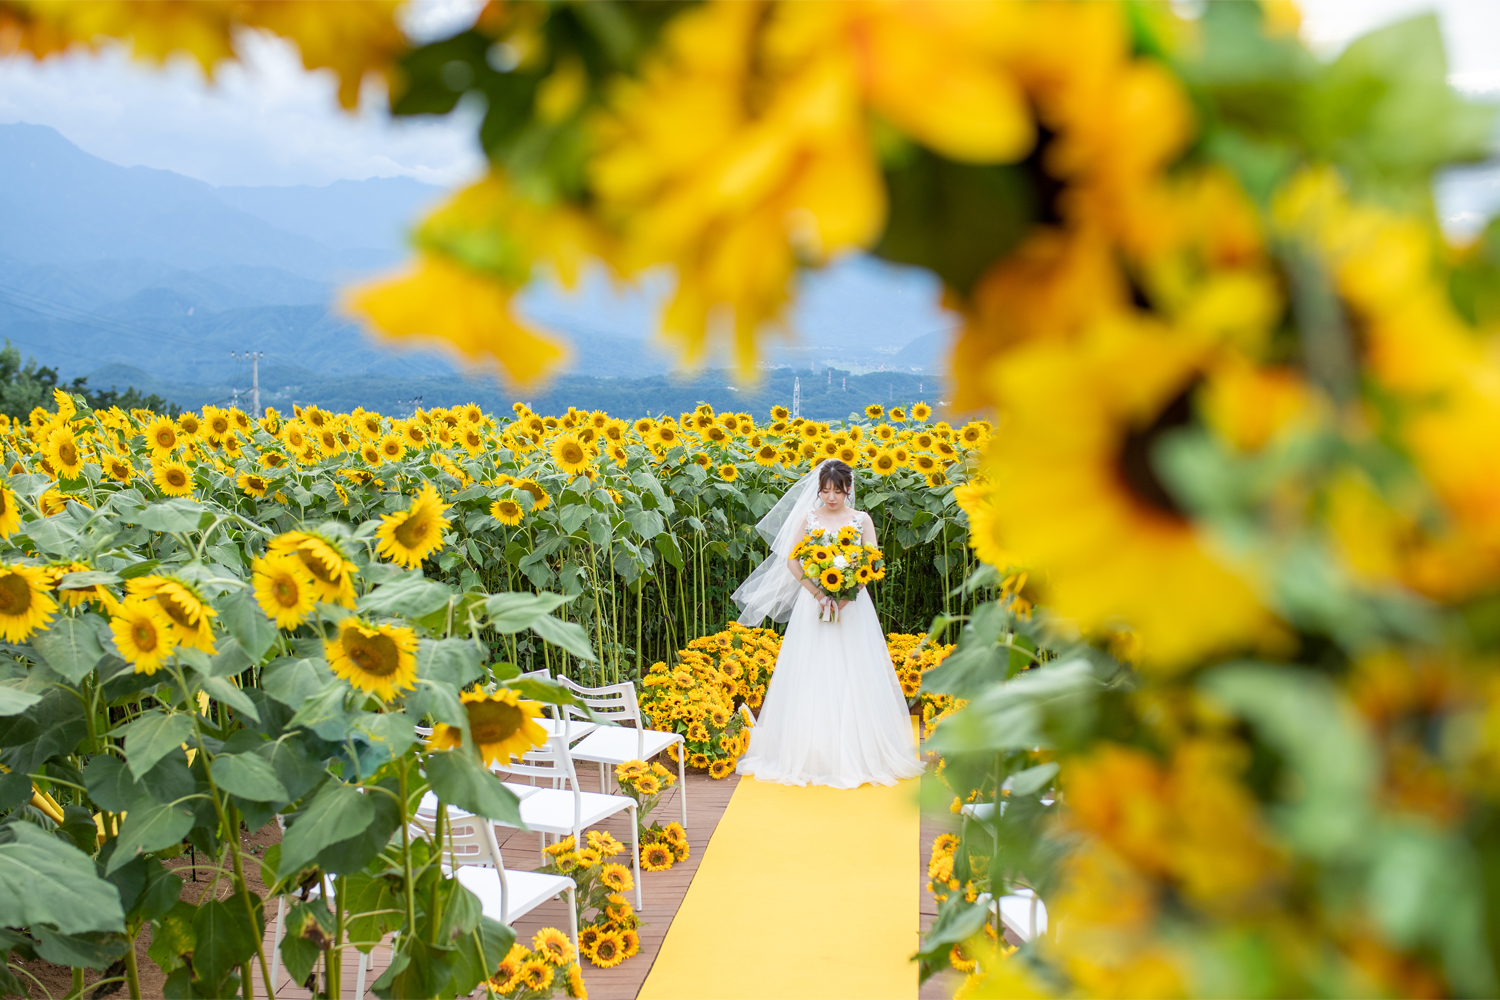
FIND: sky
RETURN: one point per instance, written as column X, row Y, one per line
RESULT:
column 268, row 121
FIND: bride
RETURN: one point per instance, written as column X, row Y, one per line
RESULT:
column 834, row 714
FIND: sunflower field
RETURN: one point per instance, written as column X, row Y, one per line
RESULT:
column 214, row 621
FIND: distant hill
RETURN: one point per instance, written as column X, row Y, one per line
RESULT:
column 828, row 395
column 121, row 273
column 927, row 353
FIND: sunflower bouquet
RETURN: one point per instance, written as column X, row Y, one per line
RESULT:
column 535, row 973
column 838, row 563
column 607, row 922
column 661, row 846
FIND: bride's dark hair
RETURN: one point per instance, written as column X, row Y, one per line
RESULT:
column 835, row 473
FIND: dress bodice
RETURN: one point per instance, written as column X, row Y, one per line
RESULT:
column 815, row 524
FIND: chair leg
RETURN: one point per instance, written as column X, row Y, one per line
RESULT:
column 572, row 899
column 635, row 853
column 276, row 946
column 682, row 784
column 359, row 976
column 603, row 787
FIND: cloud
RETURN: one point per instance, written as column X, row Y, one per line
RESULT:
column 267, row 121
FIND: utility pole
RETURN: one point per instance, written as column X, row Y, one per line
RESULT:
column 254, row 358
column 796, row 398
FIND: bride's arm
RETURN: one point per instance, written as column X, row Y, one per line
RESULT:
column 794, row 566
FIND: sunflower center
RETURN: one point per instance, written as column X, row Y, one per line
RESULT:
column 15, row 594
column 316, row 566
column 68, row 454
column 375, row 655
column 493, row 721
column 572, row 453
column 175, row 610
column 285, row 591
column 1134, row 461
column 176, row 477
column 144, row 636
column 413, row 531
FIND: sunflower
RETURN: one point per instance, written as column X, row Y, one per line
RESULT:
column 172, row 477
column 379, row 659
column 537, row 975
column 294, row 436
column 501, row 725
column 218, row 422
column 252, row 484
column 10, row 514
column 392, row 448
column 118, row 468
column 884, row 462
column 697, row 733
column 553, row 945
column 62, row 451
column 540, row 499
column 189, row 425
column 272, row 460
column 507, row 512
column 631, row 769
column 24, row 603
column 605, row 843
column 332, row 571
column 608, row 950
column 616, row 877
column 588, row 937
column 719, row 717
column 896, row 413
column 618, row 909
column 414, row 434
column 647, row 784
column 849, row 455
column 1102, row 523
column 188, row 614
column 631, row 941
column 283, row 589
column 936, row 478
column 569, row 454
column 575, row 987
column 728, row 473
column 864, row 574
column 412, row 535
column 75, row 596
column 721, row 769
column 921, row 412
column 162, row 437
column 142, row 633
column 874, row 411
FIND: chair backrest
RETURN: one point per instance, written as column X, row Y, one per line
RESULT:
column 543, row 673
column 552, row 762
column 470, row 840
column 614, row 702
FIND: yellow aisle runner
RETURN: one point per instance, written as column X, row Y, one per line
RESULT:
column 803, row 893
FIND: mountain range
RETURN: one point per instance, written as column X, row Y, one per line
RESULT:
column 133, row 275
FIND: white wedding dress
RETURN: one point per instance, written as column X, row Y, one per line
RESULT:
column 834, row 713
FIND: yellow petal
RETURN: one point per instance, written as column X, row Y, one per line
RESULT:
column 472, row 315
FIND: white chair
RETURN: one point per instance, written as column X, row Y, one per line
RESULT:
column 565, row 810
column 366, row 961
column 566, row 727
column 473, row 856
column 1019, row 912
column 610, row 746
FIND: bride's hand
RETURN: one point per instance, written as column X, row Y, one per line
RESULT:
column 843, row 604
